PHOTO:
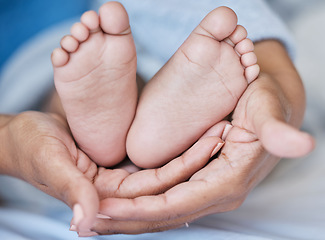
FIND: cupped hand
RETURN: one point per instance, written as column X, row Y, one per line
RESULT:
column 259, row 123
column 41, row 151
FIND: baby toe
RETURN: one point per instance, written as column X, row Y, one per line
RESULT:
column 248, row 59
column 252, row 72
column 91, row 20
column 69, row 43
column 80, row 32
column 59, row 57
column 238, row 35
column 244, row 46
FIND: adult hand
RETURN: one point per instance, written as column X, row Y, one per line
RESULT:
column 264, row 130
column 122, row 183
column 39, row 149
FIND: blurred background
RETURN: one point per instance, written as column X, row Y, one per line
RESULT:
column 301, row 180
column 295, row 190
column 306, row 20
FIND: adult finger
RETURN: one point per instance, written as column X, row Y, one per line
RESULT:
column 283, row 140
column 264, row 110
column 61, row 178
column 118, row 183
column 200, row 192
column 271, row 125
column 225, row 179
column 153, row 208
column 221, row 186
column 110, row 226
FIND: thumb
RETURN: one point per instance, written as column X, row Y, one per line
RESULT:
column 70, row 182
column 281, row 139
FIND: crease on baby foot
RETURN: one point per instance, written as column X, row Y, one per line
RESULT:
column 125, row 32
column 209, row 33
column 227, row 40
column 98, row 29
column 189, row 59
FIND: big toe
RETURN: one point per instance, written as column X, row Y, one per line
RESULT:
column 220, row 23
column 114, row 18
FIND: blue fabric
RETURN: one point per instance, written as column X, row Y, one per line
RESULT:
column 20, row 20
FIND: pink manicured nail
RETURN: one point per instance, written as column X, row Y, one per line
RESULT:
column 227, row 129
column 78, row 214
column 73, row 228
column 216, row 149
column 87, row 234
column 102, row 216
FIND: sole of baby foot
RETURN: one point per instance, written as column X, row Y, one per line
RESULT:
column 95, row 77
column 198, row 87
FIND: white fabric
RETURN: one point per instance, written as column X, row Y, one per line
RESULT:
column 289, row 204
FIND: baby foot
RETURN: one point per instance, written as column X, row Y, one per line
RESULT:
column 198, row 87
column 95, row 76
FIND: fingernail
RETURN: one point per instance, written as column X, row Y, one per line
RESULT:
column 227, row 129
column 216, row 149
column 102, row 216
column 73, row 228
column 78, row 214
column 87, row 234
